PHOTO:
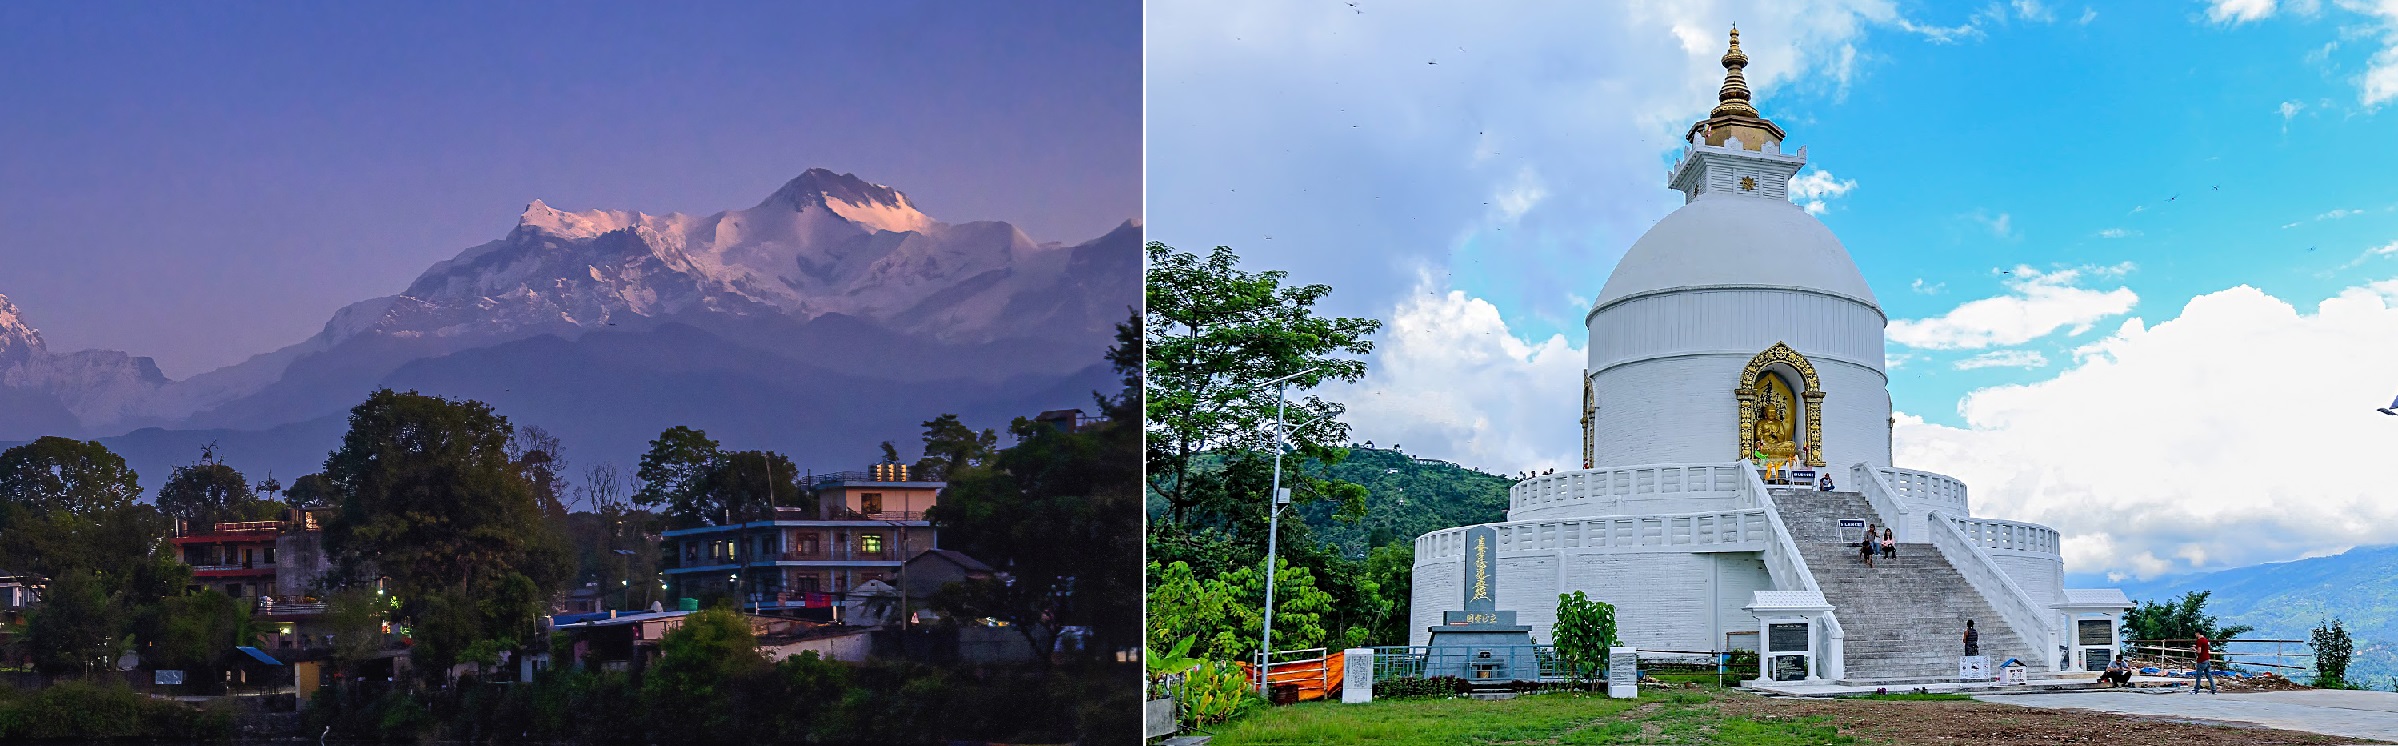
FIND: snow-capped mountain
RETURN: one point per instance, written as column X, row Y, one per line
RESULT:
column 845, row 275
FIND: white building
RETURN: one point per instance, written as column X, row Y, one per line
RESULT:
column 1736, row 339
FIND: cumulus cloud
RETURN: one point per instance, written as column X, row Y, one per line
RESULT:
column 1813, row 188
column 2240, row 431
column 2004, row 359
column 2378, row 84
column 2238, row 11
column 2036, row 304
column 1448, row 376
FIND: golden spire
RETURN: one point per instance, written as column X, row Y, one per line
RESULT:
column 1733, row 115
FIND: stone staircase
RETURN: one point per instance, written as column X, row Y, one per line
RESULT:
column 1904, row 618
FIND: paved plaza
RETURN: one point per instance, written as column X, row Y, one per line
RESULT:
column 2356, row 714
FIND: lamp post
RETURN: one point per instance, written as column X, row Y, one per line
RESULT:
column 1265, row 652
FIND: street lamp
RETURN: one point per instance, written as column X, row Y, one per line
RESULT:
column 1265, row 651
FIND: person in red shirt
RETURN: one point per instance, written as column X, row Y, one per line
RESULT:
column 2206, row 656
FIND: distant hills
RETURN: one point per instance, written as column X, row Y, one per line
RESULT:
column 1406, row 497
column 829, row 317
column 2284, row 600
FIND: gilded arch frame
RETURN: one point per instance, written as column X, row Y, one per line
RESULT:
column 1812, row 392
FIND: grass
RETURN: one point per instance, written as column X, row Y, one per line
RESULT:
column 1685, row 716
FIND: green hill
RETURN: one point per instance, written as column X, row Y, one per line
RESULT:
column 1406, row 497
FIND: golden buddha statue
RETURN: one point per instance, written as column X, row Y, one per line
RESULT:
column 1776, row 433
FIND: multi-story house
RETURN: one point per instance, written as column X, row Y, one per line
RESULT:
column 275, row 565
column 865, row 526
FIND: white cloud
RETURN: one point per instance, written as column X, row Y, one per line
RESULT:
column 1449, row 377
column 1813, row 188
column 2004, row 359
column 1939, row 34
column 2337, row 214
column 2036, row 305
column 2033, row 10
column 2238, row 11
column 2088, row 14
column 2117, row 233
column 2241, row 431
column 2001, row 225
column 2388, row 249
column 2290, row 109
column 1519, row 197
column 1927, row 288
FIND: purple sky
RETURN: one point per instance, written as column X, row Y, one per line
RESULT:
column 204, row 182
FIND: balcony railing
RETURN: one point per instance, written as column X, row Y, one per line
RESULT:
column 843, row 513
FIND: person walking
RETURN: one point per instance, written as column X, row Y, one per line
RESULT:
column 1973, row 640
column 1869, row 546
column 1889, row 545
column 2205, row 672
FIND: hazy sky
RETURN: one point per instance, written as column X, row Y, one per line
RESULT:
column 204, row 182
column 2140, row 259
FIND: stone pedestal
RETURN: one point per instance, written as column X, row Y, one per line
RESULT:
column 1357, row 676
column 1623, row 673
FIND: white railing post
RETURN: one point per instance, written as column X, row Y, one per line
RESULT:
column 1788, row 570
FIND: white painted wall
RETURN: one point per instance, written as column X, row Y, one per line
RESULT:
column 1682, row 409
column 1663, row 600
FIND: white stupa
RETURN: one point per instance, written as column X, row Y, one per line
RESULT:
column 1735, row 347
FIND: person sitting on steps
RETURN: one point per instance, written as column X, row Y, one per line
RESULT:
column 1868, row 548
column 1889, row 545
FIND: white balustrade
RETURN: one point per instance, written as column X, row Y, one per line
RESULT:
column 1788, row 570
column 1624, row 490
column 1733, row 530
column 2014, row 536
column 1934, row 491
column 1965, row 553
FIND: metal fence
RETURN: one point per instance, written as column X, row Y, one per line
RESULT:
column 2290, row 658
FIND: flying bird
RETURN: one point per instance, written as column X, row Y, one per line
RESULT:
column 2391, row 410
column 2172, row 198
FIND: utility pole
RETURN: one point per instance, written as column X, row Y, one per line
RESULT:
column 1277, row 498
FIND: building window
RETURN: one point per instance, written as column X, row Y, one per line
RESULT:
column 870, row 503
column 270, row 555
column 870, row 543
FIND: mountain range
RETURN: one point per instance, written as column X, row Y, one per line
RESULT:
column 827, row 318
column 2287, row 600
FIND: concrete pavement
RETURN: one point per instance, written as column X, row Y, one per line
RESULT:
column 2356, row 714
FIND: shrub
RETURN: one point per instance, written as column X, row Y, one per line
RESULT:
column 1214, row 692
column 2332, row 650
column 1411, row 686
column 78, row 710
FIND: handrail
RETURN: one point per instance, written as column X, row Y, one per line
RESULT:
column 1886, row 506
column 1913, row 486
column 2014, row 606
column 1788, row 569
column 2016, row 536
column 1582, row 492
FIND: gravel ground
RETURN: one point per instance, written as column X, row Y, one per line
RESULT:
column 1909, row 723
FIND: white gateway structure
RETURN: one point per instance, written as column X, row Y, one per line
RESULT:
column 1734, row 346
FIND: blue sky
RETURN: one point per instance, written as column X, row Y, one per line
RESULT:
column 2056, row 204
column 203, row 182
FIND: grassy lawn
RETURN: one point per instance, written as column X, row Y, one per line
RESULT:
column 1687, row 717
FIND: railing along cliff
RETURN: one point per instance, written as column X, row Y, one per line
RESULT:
column 1788, row 569
column 1980, row 571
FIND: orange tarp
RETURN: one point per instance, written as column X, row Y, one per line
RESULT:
column 1316, row 678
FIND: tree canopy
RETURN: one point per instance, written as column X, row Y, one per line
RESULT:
column 208, row 491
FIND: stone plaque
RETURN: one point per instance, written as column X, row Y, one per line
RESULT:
column 1787, row 637
column 1481, row 569
column 2096, row 632
column 1357, row 675
column 1973, row 668
column 1462, row 618
column 1623, row 673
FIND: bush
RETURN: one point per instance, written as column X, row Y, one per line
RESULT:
column 1214, row 692
column 78, row 710
column 1410, row 686
column 2333, row 648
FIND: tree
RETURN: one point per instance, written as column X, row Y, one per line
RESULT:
column 698, row 667
column 78, row 628
column 311, row 491
column 431, row 501
column 207, row 491
column 196, row 633
column 674, row 472
column 535, row 452
column 80, row 477
column 1391, row 570
column 1215, row 335
column 1057, row 514
column 2180, row 619
column 749, row 485
column 949, row 445
column 1585, row 629
column 2332, row 650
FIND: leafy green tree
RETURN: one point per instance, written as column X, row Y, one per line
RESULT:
column 431, row 501
column 59, row 474
column 1184, row 607
column 1215, row 334
column 78, row 628
column 748, row 485
column 1391, row 570
column 538, row 459
column 698, row 667
column 949, row 445
column 674, row 475
column 311, row 491
column 2179, row 619
column 2332, row 648
column 208, row 491
column 1585, row 629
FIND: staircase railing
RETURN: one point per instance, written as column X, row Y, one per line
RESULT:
column 2014, row 606
column 1788, row 570
column 1886, row 505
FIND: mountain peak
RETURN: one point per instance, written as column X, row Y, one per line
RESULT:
column 857, row 200
column 17, row 339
